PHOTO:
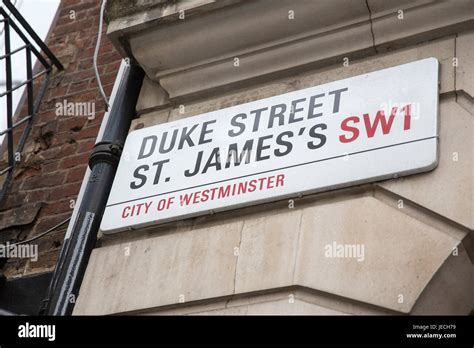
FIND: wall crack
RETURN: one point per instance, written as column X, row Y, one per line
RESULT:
column 371, row 26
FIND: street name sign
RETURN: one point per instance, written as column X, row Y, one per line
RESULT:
column 366, row 128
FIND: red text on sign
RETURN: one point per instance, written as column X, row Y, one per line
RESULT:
column 349, row 124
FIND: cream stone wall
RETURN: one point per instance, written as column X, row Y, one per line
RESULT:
column 270, row 259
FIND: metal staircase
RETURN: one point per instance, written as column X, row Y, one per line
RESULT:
column 12, row 20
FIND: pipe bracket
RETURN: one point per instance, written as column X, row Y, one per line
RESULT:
column 105, row 152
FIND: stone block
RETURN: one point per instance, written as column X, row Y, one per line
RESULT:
column 151, row 96
column 419, row 21
column 150, row 119
column 400, row 254
column 449, row 189
column 267, row 252
column 456, row 275
column 160, row 271
column 465, row 68
column 442, row 49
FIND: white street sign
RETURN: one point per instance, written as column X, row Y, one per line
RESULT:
column 361, row 129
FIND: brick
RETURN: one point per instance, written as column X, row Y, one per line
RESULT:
column 108, row 78
column 65, row 57
column 93, row 12
column 46, row 116
column 87, row 53
column 77, row 87
column 57, row 207
column 23, row 215
column 76, row 174
column 47, row 105
column 14, row 268
column 85, row 64
column 71, row 123
column 108, row 89
column 107, row 47
column 52, row 153
column 72, row 67
column 80, row 75
column 10, row 235
column 56, row 92
column 65, row 191
column 74, row 161
column 68, row 148
column 63, row 138
column 58, row 43
column 48, row 128
column 84, row 34
column 97, row 120
column 90, row 132
column 88, row 96
column 45, row 223
column 37, row 195
column 47, row 180
column 85, row 145
column 18, row 131
column 24, row 172
column 52, row 241
column 13, row 201
column 46, row 262
column 65, row 19
column 105, row 58
column 112, row 67
column 82, row 43
column 49, row 167
column 15, row 187
column 75, row 25
column 78, row 7
column 47, row 131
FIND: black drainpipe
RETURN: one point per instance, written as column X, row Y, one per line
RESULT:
column 71, row 266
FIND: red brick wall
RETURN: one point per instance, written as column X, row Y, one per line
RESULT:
column 47, row 180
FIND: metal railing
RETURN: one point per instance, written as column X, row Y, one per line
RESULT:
column 33, row 100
